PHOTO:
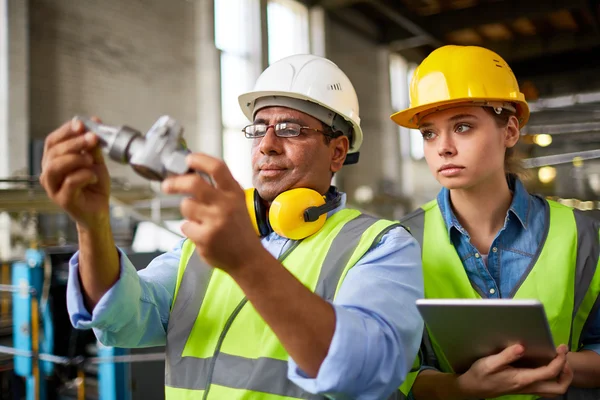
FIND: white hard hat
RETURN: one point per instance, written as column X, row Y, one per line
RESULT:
column 312, row 78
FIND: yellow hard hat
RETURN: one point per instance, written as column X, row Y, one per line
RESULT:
column 453, row 75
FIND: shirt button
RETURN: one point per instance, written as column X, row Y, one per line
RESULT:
column 494, row 249
column 476, row 255
column 492, row 291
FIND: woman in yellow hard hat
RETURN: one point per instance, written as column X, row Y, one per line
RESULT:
column 485, row 236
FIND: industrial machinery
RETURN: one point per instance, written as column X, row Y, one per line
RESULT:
column 42, row 357
column 49, row 359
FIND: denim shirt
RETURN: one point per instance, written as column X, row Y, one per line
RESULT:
column 511, row 251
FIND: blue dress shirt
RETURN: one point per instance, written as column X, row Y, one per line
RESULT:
column 377, row 334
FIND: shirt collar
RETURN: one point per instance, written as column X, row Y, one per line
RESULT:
column 519, row 206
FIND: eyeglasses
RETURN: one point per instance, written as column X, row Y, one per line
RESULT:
column 282, row 130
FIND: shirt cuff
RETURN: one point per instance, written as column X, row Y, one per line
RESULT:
column 339, row 370
column 114, row 307
column 593, row 347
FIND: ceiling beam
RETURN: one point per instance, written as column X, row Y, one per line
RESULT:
column 413, row 34
column 503, row 11
column 536, row 46
column 559, row 74
column 594, row 9
column 333, row 4
column 358, row 23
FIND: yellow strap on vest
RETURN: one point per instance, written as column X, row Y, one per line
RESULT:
column 216, row 340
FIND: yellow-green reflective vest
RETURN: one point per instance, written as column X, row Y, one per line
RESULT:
column 218, row 346
column 564, row 275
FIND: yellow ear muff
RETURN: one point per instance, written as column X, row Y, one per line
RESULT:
column 286, row 214
column 251, row 209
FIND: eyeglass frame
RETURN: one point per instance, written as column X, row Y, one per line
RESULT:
column 330, row 135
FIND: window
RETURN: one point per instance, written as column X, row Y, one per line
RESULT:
column 288, row 27
column 237, row 36
column 411, row 141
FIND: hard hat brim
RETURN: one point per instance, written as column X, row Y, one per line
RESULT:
column 247, row 100
column 408, row 117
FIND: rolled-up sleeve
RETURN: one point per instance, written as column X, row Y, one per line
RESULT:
column 378, row 328
column 134, row 312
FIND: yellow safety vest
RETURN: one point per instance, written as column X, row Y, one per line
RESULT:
column 565, row 276
column 218, row 346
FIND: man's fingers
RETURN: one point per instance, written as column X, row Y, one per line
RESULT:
column 189, row 184
column 505, row 357
column 215, row 168
column 193, row 231
column 55, row 172
column 75, row 144
column 66, row 131
column 97, row 155
column 76, row 181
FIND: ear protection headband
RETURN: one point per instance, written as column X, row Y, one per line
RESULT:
column 294, row 214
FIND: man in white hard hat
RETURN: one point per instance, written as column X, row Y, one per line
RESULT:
column 277, row 292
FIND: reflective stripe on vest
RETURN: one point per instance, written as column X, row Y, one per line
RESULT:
column 563, row 275
column 230, row 350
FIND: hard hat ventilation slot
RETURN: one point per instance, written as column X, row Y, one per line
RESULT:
column 335, row 86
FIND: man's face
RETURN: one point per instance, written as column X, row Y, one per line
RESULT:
column 305, row 161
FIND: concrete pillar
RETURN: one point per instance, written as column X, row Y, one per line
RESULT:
column 208, row 137
column 14, row 103
column 18, row 86
column 4, row 139
column 317, row 31
column 4, row 91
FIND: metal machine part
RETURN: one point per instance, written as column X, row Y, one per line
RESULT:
column 561, row 158
column 154, row 156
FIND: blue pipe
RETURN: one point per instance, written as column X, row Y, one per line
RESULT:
column 27, row 275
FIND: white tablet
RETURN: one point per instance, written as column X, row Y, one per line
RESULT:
column 468, row 329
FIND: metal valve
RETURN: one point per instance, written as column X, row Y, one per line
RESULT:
column 157, row 154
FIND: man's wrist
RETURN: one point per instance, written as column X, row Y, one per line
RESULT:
column 252, row 267
column 99, row 225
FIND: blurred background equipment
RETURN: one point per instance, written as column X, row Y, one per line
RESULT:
column 190, row 59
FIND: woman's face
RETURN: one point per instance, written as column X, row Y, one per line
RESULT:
column 464, row 146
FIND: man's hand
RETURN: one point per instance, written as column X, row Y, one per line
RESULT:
column 74, row 174
column 76, row 178
column 217, row 218
column 493, row 376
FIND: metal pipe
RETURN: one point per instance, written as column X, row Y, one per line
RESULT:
column 560, row 158
column 4, row 279
column 128, row 358
column 80, row 383
column 15, row 289
column 42, row 357
column 79, row 360
column 14, row 352
column 35, row 337
column 562, row 129
column 141, row 217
